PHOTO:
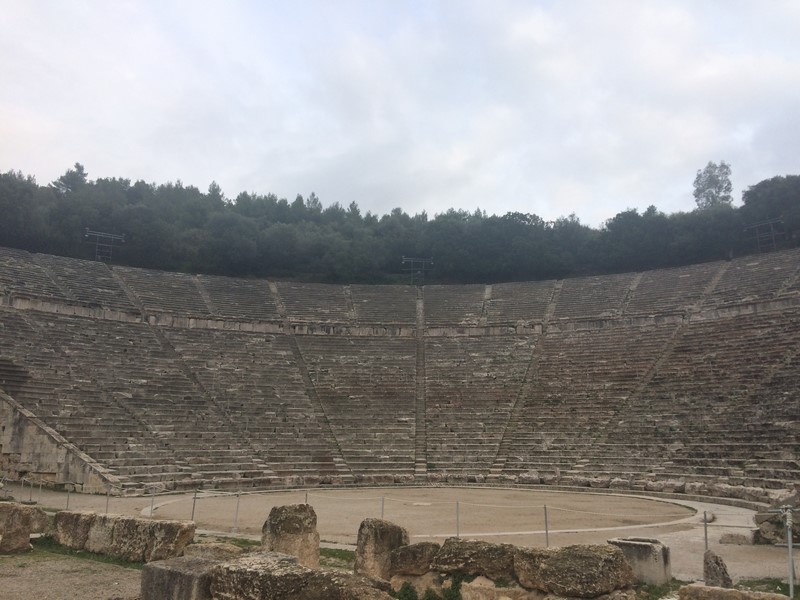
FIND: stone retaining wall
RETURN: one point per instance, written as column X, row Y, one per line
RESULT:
column 129, row 538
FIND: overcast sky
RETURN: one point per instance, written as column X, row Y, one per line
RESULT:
column 546, row 107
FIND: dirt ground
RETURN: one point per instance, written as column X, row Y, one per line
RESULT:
column 493, row 514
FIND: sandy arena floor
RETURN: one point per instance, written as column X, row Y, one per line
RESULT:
column 493, row 514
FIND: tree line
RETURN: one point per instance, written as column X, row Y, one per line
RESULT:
column 176, row 227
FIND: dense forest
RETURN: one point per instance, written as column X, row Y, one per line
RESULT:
column 175, row 227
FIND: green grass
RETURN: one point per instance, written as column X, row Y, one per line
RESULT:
column 46, row 544
column 336, row 558
column 768, row 584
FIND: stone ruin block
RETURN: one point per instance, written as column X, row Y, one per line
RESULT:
column 649, row 559
column 292, row 529
column 698, row 591
column 715, row 572
column 279, row 577
column 472, row 557
column 218, row 551
column 129, row 538
column 580, row 571
column 414, row 559
column 772, row 526
column 376, row 540
column 17, row 522
column 183, row 578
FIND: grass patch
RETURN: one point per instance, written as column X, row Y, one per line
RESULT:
column 768, row 584
column 646, row 591
column 48, row 545
column 336, row 558
column 338, row 554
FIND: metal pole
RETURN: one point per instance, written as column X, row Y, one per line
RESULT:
column 67, row 497
column 306, row 496
column 383, row 502
column 458, row 518
column 789, row 548
column 705, row 528
column 108, row 496
column 152, row 501
column 39, row 499
column 30, row 489
column 194, row 501
column 546, row 529
column 236, row 514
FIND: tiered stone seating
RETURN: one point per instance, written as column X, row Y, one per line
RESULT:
column 88, row 282
column 50, row 382
column 593, row 296
column 244, row 299
column 472, row 384
column 523, row 301
column 314, row 302
column 21, row 275
column 159, row 291
column 255, row 378
column 126, row 361
column 385, row 303
column 721, row 407
column 367, row 385
column 670, row 291
column 707, row 396
column 582, row 379
column 756, row 278
column 453, row 305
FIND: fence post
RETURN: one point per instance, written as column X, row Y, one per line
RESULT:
column 236, row 514
column 194, row 501
column 39, row 499
column 705, row 528
column 30, row 490
column 546, row 529
column 68, row 489
column 108, row 496
column 383, row 501
column 458, row 519
column 789, row 524
column 152, row 500
column 306, row 496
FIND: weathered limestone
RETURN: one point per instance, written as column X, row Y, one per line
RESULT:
column 414, row 559
column 275, row 576
column 184, row 578
column 649, row 559
column 697, row 591
column 495, row 561
column 772, row 526
column 28, row 445
column 218, row 551
column 129, row 538
column 483, row 588
column 715, row 573
column 17, row 522
column 579, row 571
column 292, row 529
column 376, row 540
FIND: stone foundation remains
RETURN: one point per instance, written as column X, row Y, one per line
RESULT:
column 697, row 591
column 17, row 522
column 292, row 530
column 376, row 540
column 503, row 570
column 649, row 559
column 128, row 538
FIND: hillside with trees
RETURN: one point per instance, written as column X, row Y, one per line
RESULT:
column 175, row 227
